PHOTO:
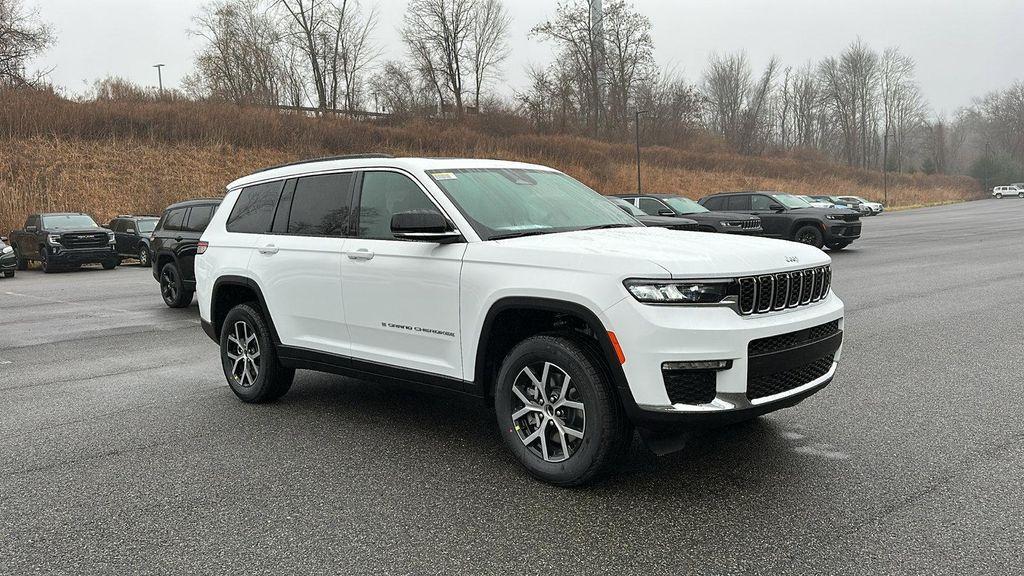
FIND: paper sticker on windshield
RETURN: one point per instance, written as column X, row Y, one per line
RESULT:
column 444, row 176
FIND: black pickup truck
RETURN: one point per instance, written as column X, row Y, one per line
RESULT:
column 63, row 240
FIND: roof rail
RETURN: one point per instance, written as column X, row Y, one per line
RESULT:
column 326, row 159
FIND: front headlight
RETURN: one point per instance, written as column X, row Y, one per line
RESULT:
column 53, row 238
column 110, row 237
column 835, row 216
column 7, row 250
column 678, row 292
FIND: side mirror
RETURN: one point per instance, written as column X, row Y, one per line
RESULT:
column 666, row 212
column 423, row 225
column 776, row 207
column 130, row 231
column 31, row 228
column 3, row 239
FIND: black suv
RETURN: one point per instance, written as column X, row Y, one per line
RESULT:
column 788, row 217
column 173, row 245
column 131, row 236
column 707, row 221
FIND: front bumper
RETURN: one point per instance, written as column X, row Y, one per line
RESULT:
column 843, row 231
column 8, row 263
column 651, row 336
column 59, row 256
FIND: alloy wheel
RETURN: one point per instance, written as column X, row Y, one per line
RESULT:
column 244, row 352
column 168, row 286
column 143, row 256
column 807, row 238
column 548, row 411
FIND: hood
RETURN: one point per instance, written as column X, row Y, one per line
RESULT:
column 626, row 252
column 85, row 230
column 823, row 211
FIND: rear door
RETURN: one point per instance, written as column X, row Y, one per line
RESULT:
column 298, row 262
column 401, row 297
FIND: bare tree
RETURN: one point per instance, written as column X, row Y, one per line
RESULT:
column 22, row 37
column 849, row 85
column 437, row 33
column 737, row 107
column 351, row 51
column 488, row 43
column 309, row 23
column 630, row 57
column 240, row 61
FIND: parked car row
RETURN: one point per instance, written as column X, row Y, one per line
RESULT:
column 769, row 214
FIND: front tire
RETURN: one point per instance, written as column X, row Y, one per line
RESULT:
column 250, row 361
column 44, row 262
column 172, row 289
column 809, row 235
column 557, row 411
column 999, row 196
column 9, row 274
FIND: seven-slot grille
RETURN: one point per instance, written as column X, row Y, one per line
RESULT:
column 745, row 224
column 84, row 240
column 771, row 292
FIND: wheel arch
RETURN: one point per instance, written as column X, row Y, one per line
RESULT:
column 532, row 315
column 228, row 292
column 798, row 224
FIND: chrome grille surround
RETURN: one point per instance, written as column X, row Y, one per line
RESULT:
column 774, row 292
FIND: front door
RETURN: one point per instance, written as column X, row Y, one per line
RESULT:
column 401, row 297
column 775, row 224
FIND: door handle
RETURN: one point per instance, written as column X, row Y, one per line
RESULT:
column 177, row 238
column 361, row 254
column 269, row 250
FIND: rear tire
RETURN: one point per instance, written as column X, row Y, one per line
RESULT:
column 172, row 289
column 809, row 235
column 557, row 411
column 249, row 358
column 999, row 196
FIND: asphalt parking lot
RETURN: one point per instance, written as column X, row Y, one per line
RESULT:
column 122, row 450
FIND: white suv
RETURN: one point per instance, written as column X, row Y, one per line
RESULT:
column 517, row 284
column 1000, row 191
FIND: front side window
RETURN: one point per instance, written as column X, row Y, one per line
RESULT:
column 652, row 206
column 66, row 221
column 509, row 202
column 383, row 195
column 759, row 203
column 254, row 209
column 321, row 205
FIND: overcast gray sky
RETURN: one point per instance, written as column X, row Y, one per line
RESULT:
column 963, row 48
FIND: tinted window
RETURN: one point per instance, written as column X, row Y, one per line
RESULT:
column 321, row 205
column 383, row 195
column 254, row 208
column 760, row 203
column 116, row 225
column 174, row 219
column 651, row 206
column 199, row 217
column 738, row 203
column 712, row 203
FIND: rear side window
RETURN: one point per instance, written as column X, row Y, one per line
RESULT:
column 738, row 203
column 174, row 219
column 199, row 217
column 254, row 209
column 712, row 203
column 321, row 205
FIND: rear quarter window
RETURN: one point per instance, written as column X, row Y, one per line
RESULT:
column 173, row 219
column 253, row 212
column 199, row 217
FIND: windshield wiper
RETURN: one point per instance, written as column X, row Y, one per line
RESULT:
column 519, row 234
column 605, row 226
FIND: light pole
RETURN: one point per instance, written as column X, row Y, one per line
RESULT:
column 637, row 128
column 160, row 77
column 885, row 169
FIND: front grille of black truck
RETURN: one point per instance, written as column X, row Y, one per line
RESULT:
column 85, row 240
column 773, row 292
column 783, row 381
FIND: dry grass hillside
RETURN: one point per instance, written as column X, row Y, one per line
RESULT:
column 112, row 157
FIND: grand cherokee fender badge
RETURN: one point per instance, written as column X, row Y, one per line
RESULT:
column 418, row 329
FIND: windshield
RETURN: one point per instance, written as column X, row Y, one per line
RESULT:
column 790, row 201
column 504, row 203
column 148, row 225
column 627, row 207
column 684, row 205
column 68, row 221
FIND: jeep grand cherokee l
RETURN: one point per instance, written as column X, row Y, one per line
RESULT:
column 787, row 217
column 516, row 284
column 61, row 240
